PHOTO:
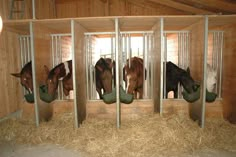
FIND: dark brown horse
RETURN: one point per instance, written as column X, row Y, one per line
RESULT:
column 133, row 76
column 62, row 71
column 176, row 75
column 26, row 77
column 103, row 69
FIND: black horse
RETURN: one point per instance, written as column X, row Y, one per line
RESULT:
column 175, row 75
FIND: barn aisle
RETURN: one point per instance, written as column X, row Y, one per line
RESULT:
column 8, row 149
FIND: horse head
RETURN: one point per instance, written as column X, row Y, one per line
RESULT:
column 211, row 78
column 52, row 79
column 187, row 81
column 104, row 76
column 26, row 77
column 133, row 76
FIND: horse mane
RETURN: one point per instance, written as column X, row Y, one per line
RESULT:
column 103, row 62
column 136, row 65
column 52, row 72
column 27, row 67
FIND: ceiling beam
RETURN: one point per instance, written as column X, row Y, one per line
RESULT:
column 218, row 4
column 183, row 7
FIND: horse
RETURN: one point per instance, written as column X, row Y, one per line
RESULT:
column 211, row 78
column 176, row 75
column 26, row 77
column 133, row 76
column 62, row 71
column 103, row 74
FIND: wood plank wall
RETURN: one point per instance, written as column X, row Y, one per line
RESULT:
column 229, row 76
column 88, row 8
column 11, row 93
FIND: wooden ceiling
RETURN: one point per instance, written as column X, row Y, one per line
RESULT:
column 198, row 7
column 201, row 6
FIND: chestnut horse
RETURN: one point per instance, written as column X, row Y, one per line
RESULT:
column 103, row 70
column 26, row 77
column 62, row 71
column 133, row 76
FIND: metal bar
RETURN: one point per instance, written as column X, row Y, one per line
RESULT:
column 164, row 66
column 60, row 34
column 28, row 47
column 221, row 63
column 86, row 67
column 118, row 107
column 74, row 72
column 144, row 62
column 184, row 31
column 36, row 107
column 124, row 32
column 204, row 72
column 33, row 9
column 162, row 52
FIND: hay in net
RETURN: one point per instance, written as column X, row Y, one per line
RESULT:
column 150, row 135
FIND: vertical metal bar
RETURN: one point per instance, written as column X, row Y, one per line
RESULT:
column 144, row 62
column 87, row 67
column 28, row 47
column 33, row 9
column 221, row 63
column 74, row 72
column 36, row 107
column 130, row 49
column 162, row 54
column 204, row 72
column 118, row 107
column 164, row 66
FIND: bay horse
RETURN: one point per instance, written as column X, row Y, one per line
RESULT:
column 133, row 76
column 25, row 76
column 103, row 74
column 62, row 71
column 176, row 75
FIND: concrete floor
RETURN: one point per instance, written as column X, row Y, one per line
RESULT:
column 48, row 150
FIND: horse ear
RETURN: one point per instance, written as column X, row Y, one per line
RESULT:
column 46, row 69
column 16, row 74
column 188, row 70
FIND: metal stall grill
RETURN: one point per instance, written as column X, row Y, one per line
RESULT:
column 61, row 52
column 139, row 44
column 215, row 53
column 25, row 51
column 176, row 50
column 94, row 47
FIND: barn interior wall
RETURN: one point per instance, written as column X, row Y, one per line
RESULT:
column 11, row 92
column 90, row 8
column 229, row 77
column 80, row 73
column 42, row 47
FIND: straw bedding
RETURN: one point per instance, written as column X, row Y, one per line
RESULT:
column 150, row 135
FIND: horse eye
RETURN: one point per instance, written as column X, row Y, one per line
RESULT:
column 24, row 79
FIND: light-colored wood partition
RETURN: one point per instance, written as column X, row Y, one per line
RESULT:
column 227, row 24
column 11, row 94
column 79, row 66
column 157, row 54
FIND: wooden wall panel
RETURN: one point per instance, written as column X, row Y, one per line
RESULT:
column 88, row 8
column 80, row 74
column 11, row 93
column 45, row 9
column 229, row 77
column 42, row 47
column 157, row 68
